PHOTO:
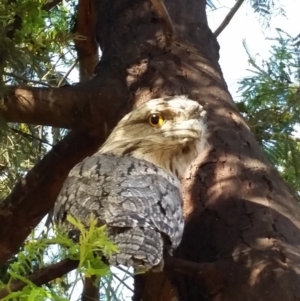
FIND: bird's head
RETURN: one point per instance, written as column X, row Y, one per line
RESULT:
column 168, row 132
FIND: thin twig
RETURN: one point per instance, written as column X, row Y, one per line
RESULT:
column 125, row 271
column 29, row 136
column 26, row 79
column 252, row 62
column 41, row 129
column 123, row 282
column 228, row 18
column 52, row 67
column 67, row 74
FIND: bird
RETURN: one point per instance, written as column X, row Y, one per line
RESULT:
column 132, row 183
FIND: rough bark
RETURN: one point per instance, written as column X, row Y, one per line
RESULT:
column 72, row 107
column 238, row 210
column 239, row 214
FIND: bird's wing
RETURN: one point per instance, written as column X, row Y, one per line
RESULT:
column 122, row 192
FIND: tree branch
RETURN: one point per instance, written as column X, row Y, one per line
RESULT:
column 63, row 267
column 67, row 73
column 25, row 79
column 189, row 267
column 42, row 276
column 35, row 195
column 29, row 136
column 90, row 291
column 87, row 49
column 228, row 18
column 66, row 107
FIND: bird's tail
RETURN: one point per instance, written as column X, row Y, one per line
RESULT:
column 141, row 248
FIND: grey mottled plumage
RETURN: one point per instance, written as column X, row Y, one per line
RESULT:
column 131, row 184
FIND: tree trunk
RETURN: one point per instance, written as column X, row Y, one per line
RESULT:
column 241, row 219
column 240, row 216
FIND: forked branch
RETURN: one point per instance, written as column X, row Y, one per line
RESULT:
column 228, row 18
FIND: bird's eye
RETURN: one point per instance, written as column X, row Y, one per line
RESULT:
column 156, row 120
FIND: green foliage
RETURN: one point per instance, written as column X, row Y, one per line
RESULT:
column 92, row 241
column 92, row 246
column 31, row 40
column 271, row 105
column 266, row 7
column 21, row 147
column 34, row 43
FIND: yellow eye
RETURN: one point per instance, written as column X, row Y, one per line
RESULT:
column 156, row 120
